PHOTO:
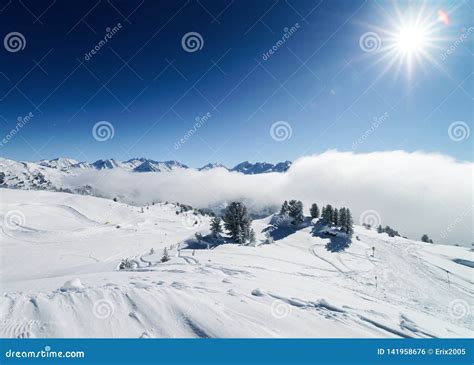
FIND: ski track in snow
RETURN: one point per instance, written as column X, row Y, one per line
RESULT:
column 291, row 288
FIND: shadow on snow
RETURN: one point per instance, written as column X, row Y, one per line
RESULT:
column 337, row 242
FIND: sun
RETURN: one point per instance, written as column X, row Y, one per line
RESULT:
column 411, row 40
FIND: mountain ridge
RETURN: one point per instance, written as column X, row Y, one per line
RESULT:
column 48, row 174
column 142, row 164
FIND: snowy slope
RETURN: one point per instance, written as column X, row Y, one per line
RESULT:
column 59, row 278
column 30, row 175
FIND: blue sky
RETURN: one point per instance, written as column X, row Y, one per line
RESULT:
column 320, row 82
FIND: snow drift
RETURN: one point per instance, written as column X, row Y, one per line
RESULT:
column 60, row 278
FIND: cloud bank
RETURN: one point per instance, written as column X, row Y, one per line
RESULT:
column 414, row 193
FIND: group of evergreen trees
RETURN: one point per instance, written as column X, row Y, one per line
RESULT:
column 390, row 231
column 238, row 224
column 341, row 218
column 426, row 239
column 294, row 210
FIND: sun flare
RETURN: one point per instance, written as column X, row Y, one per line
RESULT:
column 411, row 40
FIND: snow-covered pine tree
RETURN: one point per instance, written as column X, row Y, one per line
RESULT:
column 237, row 221
column 284, row 208
column 216, row 227
column 379, row 229
column 268, row 238
column 166, row 256
column 314, row 211
column 327, row 214
column 349, row 224
column 295, row 211
column 426, row 239
column 342, row 218
column 252, row 237
column 127, row 264
column 335, row 217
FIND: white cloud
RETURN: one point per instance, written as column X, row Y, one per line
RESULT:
column 414, row 193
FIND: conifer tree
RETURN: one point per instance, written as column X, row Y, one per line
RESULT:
column 349, row 223
column 314, row 211
column 216, row 227
column 327, row 214
column 237, row 221
column 335, row 217
column 166, row 256
column 342, row 217
column 284, row 208
column 295, row 211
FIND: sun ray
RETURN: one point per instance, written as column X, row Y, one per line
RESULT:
column 411, row 39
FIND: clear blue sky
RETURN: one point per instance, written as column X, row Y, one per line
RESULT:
column 321, row 82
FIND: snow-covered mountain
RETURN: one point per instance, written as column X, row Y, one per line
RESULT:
column 60, row 174
column 59, row 163
column 261, row 167
column 60, row 277
column 157, row 166
column 211, row 166
column 106, row 164
column 29, row 175
column 47, row 174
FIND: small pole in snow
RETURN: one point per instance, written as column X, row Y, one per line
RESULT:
column 375, row 281
column 194, row 252
column 449, row 282
column 373, row 251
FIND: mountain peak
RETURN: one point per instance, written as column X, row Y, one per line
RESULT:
column 210, row 166
column 249, row 168
column 58, row 163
